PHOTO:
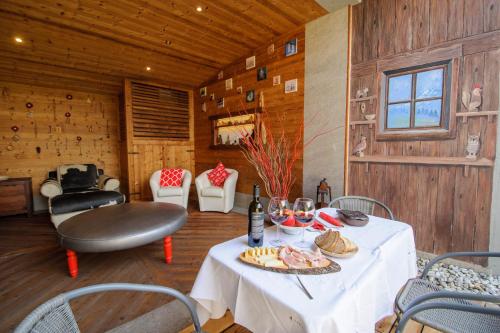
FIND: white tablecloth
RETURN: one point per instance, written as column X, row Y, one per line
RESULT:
column 349, row 301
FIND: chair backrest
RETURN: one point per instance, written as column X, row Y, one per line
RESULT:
column 55, row 315
column 362, row 204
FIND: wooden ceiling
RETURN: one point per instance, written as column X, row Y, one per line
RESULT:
column 94, row 44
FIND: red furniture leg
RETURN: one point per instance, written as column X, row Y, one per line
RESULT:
column 167, row 247
column 72, row 263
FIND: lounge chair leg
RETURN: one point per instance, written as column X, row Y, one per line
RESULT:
column 422, row 329
column 167, row 247
column 394, row 323
column 72, row 263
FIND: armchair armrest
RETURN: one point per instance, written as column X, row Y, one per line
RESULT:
column 230, row 181
column 50, row 188
column 456, row 254
column 108, row 183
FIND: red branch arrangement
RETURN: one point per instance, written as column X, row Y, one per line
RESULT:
column 274, row 155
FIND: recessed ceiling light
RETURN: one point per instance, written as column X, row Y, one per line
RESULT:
column 18, row 39
column 199, row 9
column 148, row 68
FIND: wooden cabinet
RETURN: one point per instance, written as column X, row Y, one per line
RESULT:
column 16, row 197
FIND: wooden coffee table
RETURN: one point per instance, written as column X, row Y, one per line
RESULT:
column 120, row 227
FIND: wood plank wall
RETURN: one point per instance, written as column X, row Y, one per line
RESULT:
column 94, row 118
column 448, row 210
column 282, row 109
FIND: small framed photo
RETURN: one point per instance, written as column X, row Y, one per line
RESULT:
column 212, row 96
column 290, row 86
column 250, row 62
column 261, row 73
column 276, row 80
column 270, row 49
column 220, row 103
column 220, row 75
column 229, row 84
column 291, row 47
column 203, row 91
column 239, row 90
column 250, row 97
column 204, row 107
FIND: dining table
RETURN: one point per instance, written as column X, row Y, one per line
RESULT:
column 351, row 300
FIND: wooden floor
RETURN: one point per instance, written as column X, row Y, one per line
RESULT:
column 33, row 269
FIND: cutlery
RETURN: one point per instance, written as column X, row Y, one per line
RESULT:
column 304, row 287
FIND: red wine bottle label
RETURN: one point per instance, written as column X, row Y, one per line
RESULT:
column 257, row 225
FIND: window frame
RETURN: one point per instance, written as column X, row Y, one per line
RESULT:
column 446, row 130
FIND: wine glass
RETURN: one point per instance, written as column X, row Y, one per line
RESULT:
column 278, row 213
column 303, row 210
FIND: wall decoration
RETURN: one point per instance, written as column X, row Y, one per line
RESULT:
column 360, row 147
column 250, row 96
column 261, row 99
column 239, row 90
column 250, row 62
column 291, row 86
column 69, row 96
column 276, row 80
column 473, row 145
column 261, row 73
column 229, row 84
column 203, row 91
column 361, row 93
column 362, row 107
column 220, row 75
column 204, row 107
column 291, row 47
column 29, row 105
column 212, row 96
column 270, row 49
column 220, row 102
column 472, row 101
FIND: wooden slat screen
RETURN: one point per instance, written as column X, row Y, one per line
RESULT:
column 159, row 113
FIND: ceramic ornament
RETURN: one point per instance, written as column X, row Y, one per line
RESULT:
column 472, row 101
column 360, row 147
column 473, row 146
column 362, row 107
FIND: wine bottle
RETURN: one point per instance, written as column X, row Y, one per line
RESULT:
column 255, row 220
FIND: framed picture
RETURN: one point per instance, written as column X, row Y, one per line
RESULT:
column 290, row 86
column 204, row 107
column 212, row 96
column 276, row 80
column 220, row 75
column 220, row 102
column 229, row 84
column 239, row 90
column 250, row 96
column 261, row 73
column 291, row 47
column 203, row 91
column 250, row 62
column 270, row 49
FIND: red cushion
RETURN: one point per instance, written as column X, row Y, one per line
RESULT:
column 218, row 175
column 171, row 177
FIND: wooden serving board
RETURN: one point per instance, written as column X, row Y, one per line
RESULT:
column 332, row 267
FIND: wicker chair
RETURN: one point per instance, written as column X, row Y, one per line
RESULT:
column 362, row 204
column 448, row 314
column 55, row 315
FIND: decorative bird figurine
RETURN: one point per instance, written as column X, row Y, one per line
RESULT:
column 360, row 147
column 473, row 100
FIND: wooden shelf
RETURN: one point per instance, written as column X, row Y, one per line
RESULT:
column 234, row 125
column 225, row 147
column 363, row 99
column 370, row 123
column 466, row 115
column 424, row 160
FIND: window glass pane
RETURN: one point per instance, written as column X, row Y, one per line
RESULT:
column 399, row 88
column 398, row 115
column 428, row 113
column 430, row 84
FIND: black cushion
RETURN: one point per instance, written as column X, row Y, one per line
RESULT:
column 73, row 202
column 76, row 179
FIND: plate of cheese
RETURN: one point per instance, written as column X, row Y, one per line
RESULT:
column 333, row 244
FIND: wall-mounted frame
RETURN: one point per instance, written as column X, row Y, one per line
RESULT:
column 227, row 129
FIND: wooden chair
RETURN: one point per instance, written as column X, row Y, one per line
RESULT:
column 362, row 204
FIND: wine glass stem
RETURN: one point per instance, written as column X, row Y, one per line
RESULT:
column 303, row 233
column 278, row 232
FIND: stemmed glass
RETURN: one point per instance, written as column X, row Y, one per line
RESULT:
column 278, row 213
column 303, row 210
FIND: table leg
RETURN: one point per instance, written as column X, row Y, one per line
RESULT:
column 167, row 247
column 72, row 263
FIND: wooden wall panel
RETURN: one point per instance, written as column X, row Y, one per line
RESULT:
column 282, row 110
column 94, row 118
column 448, row 207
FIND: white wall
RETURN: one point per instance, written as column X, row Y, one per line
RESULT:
column 325, row 97
column 495, row 206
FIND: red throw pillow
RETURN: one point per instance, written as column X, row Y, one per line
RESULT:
column 171, row 177
column 218, row 175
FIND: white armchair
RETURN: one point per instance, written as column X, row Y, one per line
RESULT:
column 171, row 194
column 213, row 198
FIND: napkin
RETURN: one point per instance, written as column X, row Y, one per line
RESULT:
column 330, row 219
column 318, row 226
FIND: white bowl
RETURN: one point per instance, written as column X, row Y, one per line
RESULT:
column 369, row 116
column 291, row 230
